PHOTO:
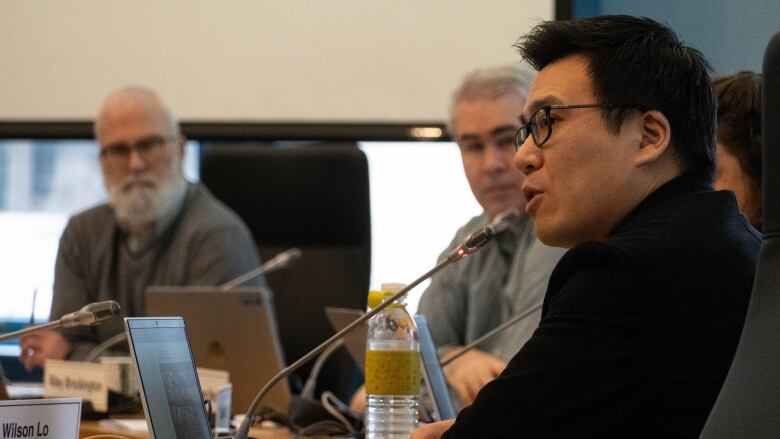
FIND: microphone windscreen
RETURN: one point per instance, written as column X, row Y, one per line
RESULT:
column 478, row 239
column 292, row 255
column 103, row 310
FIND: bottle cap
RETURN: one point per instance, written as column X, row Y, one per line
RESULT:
column 375, row 297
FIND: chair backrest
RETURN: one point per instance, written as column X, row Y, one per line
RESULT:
column 748, row 405
column 315, row 198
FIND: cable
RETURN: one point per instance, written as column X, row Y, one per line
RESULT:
column 311, row 382
column 93, row 355
column 325, row 398
column 322, row 428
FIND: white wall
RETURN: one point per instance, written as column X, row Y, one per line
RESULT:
column 255, row 60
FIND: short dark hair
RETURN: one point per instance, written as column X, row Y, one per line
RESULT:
column 739, row 130
column 639, row 61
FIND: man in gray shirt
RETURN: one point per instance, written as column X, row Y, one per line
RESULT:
column 156, row 229
column 509, row 276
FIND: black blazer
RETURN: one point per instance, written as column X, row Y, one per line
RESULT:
column 637, row 331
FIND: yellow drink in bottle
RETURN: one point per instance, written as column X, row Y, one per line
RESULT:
column 392, row 372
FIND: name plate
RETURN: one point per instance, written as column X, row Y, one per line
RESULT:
column 122, row 377
column 40, row 418
column 77, row 379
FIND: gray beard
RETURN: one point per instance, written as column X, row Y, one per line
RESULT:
column 140, row 201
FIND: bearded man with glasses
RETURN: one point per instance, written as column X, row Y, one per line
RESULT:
column 156, row 229
column 643, row 314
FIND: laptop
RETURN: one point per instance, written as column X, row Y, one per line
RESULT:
column 170, row 391
column 231, row 330
column 441, row 398
column 355, row 340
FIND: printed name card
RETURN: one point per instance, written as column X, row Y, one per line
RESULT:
column 77, row 379
column 40, row 418
column 122, row 376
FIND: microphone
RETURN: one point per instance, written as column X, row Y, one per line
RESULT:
column 490, row 334
column 282, row 260
column 473, row 243
column 90, row 315
column 501, row 222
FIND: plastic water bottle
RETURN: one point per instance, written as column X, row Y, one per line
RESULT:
column 392, row 369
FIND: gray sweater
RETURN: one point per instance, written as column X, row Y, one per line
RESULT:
column 205, row 244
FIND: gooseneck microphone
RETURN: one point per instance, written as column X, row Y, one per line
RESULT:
column 90, row 315
column 471, row 244
column 500, row 223
column 490, row 334
column 282, row 260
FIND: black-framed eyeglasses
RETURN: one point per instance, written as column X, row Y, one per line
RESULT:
column 539, row 125
column 146, row 147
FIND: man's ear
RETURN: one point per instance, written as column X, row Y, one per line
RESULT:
column 182, row 146
column 656, row 137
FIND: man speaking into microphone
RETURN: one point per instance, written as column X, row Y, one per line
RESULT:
column 156, row 229
column 643, row 314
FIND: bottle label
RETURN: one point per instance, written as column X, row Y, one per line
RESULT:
column 392, row 372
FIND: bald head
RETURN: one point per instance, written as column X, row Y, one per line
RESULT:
column 141, row 152
column 130, row 104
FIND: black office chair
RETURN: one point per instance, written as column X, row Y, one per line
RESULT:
column 748, row 405
column 315, row 198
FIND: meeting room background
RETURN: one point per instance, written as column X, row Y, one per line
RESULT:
column 373, row 74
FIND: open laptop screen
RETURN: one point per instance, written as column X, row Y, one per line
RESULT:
column 170, row 390
column 434, row 376
column 231, row 330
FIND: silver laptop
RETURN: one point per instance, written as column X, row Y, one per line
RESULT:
column 170, row 391
column 229, row 330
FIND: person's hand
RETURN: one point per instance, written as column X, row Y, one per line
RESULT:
column 358, row 401
column 37, row 347
column 432, row 431
column 471, row 371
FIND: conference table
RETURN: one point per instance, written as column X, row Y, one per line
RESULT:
column 131, row 428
